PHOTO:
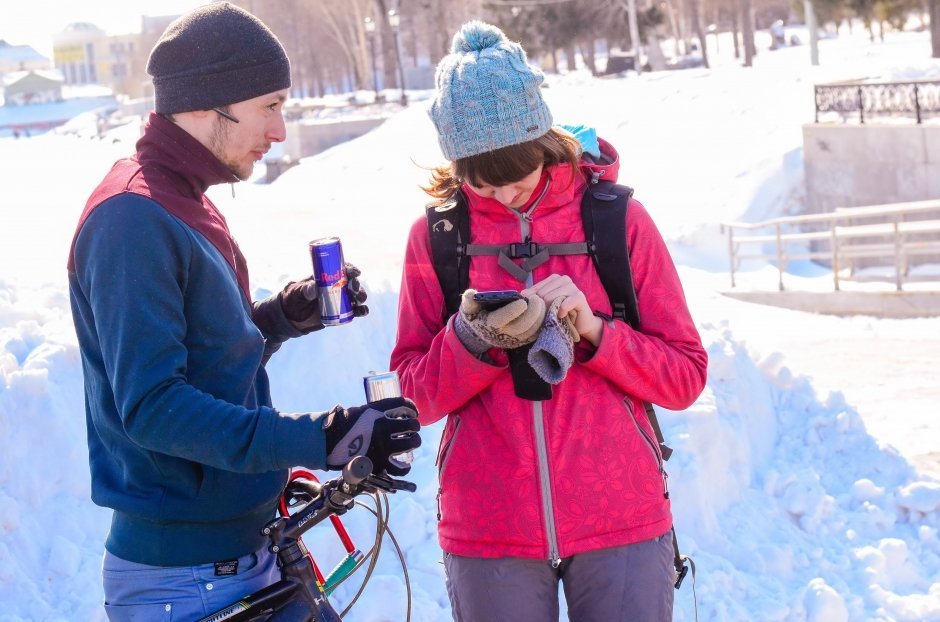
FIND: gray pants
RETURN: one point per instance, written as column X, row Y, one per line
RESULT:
column 632, row 582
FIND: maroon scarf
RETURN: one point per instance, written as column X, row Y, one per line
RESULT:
column 173, row 169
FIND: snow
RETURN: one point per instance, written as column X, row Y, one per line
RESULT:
column 803, row 483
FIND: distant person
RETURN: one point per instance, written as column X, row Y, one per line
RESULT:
column 778, row 35
column 184, row 444
column 538, row 486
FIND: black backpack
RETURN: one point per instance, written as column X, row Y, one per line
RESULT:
column 603, row 216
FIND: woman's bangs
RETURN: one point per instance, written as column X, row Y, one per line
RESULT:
column 501, row 166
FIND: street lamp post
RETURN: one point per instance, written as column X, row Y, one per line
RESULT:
column 370, row 34
column 394, row 20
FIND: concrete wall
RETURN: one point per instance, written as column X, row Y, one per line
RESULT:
column 306, row 138
column 877, row 304
column 874, row 163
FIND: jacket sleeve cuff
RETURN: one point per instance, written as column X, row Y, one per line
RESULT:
column 299, row 440
column 489, row 356
column 268, row 316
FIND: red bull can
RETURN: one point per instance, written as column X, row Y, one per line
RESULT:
column 330, row 274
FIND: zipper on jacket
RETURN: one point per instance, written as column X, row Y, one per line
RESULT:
column 548, row 507
column 526, row 217
column 652, row 445
column 443, row 456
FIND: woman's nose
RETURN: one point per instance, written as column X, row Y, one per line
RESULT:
column 504, row 194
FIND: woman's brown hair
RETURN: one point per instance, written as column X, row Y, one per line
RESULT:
column 505, row 165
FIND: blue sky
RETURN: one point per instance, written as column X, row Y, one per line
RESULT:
column 34, row 22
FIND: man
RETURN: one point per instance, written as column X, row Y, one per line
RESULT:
column 184, row 444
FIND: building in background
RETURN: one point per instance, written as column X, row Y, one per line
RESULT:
column 20, row 58
column 75, row 52
column 31, row 87
column 120, row 66
column 86, row 55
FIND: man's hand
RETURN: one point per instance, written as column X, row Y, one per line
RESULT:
column 378, row 431
column 357, row 295
column 301, row 305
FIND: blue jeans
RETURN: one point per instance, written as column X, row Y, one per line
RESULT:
column 145, row 593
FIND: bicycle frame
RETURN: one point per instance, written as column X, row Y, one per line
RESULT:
column 300, row 595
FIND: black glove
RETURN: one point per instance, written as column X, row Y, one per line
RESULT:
column 357, row 295
column 378, row 431
column 301, row 306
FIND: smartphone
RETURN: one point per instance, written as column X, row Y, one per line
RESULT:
column 495, row 299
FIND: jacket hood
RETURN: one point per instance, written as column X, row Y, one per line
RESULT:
column 607, row 167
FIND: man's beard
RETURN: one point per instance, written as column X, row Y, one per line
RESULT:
column 217, row 142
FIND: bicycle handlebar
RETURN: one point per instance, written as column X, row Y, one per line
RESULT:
column 335, row 496
column 299, row 590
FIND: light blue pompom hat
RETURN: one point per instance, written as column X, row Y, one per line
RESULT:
column 488, row 96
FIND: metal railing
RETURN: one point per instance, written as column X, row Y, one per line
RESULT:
column 848, row 238
column 916, row 98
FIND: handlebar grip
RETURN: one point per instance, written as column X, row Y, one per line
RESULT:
column 357, row 470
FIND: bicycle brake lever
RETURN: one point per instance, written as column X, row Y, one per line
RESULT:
column 389, row 484
column 401, row 484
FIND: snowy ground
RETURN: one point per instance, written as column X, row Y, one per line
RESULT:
column 788, row 489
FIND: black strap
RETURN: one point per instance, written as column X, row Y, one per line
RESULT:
column 449, row 228
column 604, row 215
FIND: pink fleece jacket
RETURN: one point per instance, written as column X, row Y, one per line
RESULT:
column 605, row 485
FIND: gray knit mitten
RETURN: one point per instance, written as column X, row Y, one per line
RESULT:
column 510, row 326
column 552, row 353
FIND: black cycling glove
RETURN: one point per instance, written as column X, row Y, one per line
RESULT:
column 378, row 431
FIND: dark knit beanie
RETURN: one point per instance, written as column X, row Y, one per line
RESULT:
column 213, row 56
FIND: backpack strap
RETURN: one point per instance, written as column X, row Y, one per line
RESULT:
column 449, row 230
column 532, row 254
column 604, row 216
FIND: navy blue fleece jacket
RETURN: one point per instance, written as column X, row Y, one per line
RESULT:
column 184, row 444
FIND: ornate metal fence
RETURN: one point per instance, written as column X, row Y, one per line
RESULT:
column 897, row 99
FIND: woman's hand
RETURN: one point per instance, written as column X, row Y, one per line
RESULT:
column 586, row 323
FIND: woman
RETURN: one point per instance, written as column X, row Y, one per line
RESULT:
column 568, row 488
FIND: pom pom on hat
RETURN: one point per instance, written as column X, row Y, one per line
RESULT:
column 476, row 36
column 488, row 96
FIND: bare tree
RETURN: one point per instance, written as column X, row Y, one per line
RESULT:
column 935, row 27
column 747, row 31
column 696, row 20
